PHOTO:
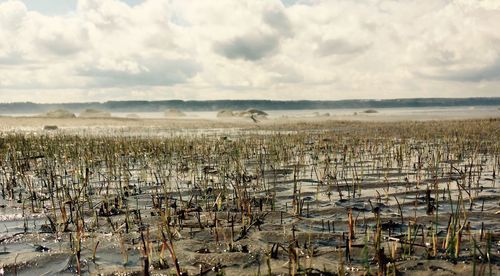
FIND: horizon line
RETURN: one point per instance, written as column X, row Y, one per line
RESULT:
column 244, row 100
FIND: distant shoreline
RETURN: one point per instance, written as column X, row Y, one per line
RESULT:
column 216, row 105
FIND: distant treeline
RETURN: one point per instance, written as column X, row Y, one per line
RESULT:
column 154, row 106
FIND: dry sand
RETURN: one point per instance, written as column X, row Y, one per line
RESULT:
column 37, row 123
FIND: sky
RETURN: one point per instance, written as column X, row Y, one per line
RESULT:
column 99, row 50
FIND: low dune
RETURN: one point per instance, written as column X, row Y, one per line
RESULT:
column 94, row 113
column 174, row 113
column 318, row 114
column 59, row 114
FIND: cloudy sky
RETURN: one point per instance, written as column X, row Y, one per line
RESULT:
column 98, row 50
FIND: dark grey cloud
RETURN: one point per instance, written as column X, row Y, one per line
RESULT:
column 12, row 58
column 278, row 20
column 60, row 45
column 257, row 45
column 153, row 72
column 252, row 46
column 340, row 47
column 487, row 73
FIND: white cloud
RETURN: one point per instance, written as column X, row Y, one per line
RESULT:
column 196, row 49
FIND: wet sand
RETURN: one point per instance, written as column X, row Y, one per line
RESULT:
column 246, row 197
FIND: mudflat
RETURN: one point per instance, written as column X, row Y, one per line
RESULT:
column 280, row 196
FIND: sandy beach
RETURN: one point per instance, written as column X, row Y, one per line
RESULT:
column 275, row 122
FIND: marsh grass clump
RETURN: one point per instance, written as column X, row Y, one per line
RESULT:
column 360, row 199
column 50, row 127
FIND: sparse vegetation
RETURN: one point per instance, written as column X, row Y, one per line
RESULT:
column 343, row 197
